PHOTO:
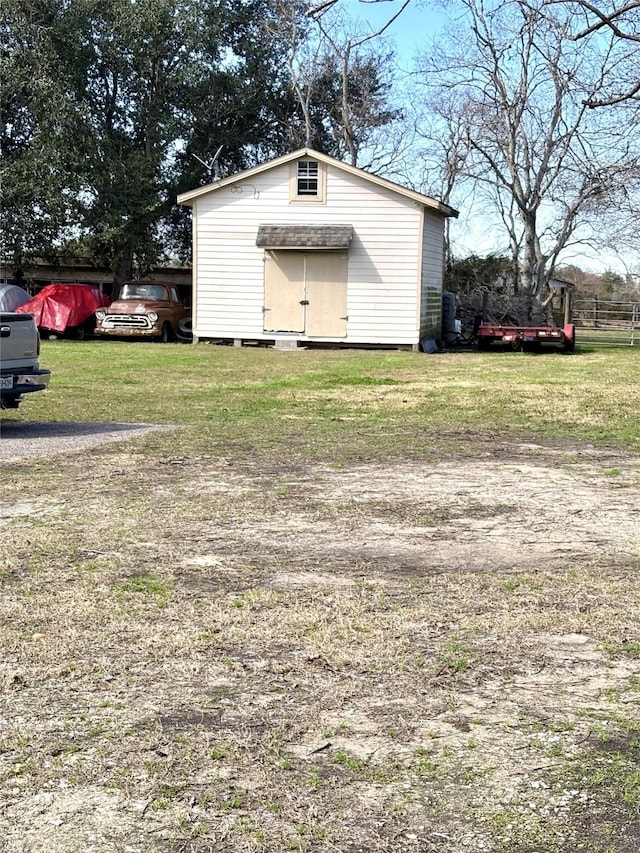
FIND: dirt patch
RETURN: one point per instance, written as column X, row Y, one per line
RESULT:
column 506, row 513
column 431, row 655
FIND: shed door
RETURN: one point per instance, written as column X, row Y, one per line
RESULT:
column 306, row 292
column 284, row 292
column 326, row 294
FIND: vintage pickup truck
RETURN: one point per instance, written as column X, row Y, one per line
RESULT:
column 20, row 371
column 143, row 309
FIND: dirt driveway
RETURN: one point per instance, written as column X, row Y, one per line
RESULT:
column 432, row 655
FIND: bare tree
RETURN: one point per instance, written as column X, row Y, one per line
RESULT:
column 340, row 81
column 360, row 103
column 620, row 18
column 317, row 8
column 547, row 162
column 304, row 54
column 619, row 23
column 440, row 152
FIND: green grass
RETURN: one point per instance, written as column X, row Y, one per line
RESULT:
column 364, row 403
column 146, row 584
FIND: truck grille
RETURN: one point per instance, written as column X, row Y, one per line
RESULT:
column 128, row 321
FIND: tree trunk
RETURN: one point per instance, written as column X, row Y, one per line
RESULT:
column 18, row 277
column 123, row 272
column 533, row 271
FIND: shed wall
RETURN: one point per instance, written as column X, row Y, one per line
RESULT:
column 388, row 266
column 431, row 276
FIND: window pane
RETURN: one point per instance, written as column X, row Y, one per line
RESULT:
column 307, row 178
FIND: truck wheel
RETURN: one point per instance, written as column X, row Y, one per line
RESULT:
column 167, row 333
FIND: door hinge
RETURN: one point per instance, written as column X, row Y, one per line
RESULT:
column 344, row 318
column 304, row 302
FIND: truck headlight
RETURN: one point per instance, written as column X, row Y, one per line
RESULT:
column 152, row 316
column 100, row 314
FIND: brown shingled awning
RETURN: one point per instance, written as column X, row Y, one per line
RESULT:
column 304, row 236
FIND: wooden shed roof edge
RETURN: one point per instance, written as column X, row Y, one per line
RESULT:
column 187, row 198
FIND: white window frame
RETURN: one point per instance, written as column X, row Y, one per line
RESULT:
column 299, row 174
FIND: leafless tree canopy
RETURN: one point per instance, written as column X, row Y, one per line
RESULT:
column 510, row 89
column 340, row 77
column 619, row 24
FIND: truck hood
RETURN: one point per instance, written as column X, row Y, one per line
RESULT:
column 137, row 306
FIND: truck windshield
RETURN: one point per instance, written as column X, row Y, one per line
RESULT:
column 143, row 291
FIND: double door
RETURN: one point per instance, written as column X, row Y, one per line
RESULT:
column 306, row 293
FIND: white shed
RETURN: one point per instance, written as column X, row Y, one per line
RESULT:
column 306, row 249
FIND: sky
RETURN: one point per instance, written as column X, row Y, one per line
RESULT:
column 415, row 28
column 410, row 32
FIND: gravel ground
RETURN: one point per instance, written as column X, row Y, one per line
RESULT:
column 26, row 439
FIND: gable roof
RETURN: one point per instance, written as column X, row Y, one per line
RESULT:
column 424, row 200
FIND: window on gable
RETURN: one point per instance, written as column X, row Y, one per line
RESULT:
column 308, row 178
column 307, row 182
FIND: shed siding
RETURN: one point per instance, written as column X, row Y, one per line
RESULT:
column 431, row 277
column 384, row 279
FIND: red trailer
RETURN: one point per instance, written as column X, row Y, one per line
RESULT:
column 519, row 337
column 532, row 337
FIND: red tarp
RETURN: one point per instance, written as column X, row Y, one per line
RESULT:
column 62, row 306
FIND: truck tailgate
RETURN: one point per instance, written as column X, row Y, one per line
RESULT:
column 18, row 344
